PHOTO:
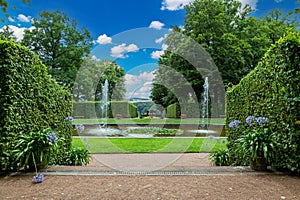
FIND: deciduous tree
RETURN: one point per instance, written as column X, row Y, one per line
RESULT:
column 60, row 44
column 92, row 75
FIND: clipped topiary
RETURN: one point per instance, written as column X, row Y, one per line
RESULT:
column 272, row 91
column 30, row 101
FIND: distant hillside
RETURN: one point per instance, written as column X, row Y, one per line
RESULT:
column 139, row 99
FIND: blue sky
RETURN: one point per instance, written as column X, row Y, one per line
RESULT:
column 128, row 31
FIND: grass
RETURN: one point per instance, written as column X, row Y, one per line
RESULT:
column 148, row 145
column 148, row 121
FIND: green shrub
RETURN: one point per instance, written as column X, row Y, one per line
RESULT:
column 173, row 111
column 191, row 110
column 272, row 90
column 33, row 150
column 30, row 100
column 221, row 157
column 78, row 156
column 92, row 109
column 256, row 145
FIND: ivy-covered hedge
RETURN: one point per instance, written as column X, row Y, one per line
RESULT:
column 30, row 101
column 92, row 109
column 271, row 90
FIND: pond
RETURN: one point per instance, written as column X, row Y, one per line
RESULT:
column 152, row 130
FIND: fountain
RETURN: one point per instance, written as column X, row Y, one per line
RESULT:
column 204, row 113
column 204, row 104
column 102, row 129
column 104, row 105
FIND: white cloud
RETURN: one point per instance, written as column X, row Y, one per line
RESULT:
column 156, row 25
column 252, row 3
column 158, row 53
column 120, row 50
column 132, row 48
column 95, row 58
column 23, row 18
column 142, row 92
column 11, row 19
column 104, row 39
column 18, row 32
column 159, row 40
column 131, row 79
column 139, row 85
column 174, row 4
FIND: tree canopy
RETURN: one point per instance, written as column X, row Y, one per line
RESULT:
column 7, row 33
column 92, row 75
column 60, row 44
column 235, row 41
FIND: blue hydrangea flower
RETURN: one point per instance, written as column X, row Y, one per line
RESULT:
column 38, row 178
column 234, row 124
column 262, row 120
column 250, row 120
column 52, row 137
column 70, row 118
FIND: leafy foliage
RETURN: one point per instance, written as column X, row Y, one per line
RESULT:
column 272, row 90
column 30, row 101
column 255, row 144
column 34, row 150
column 92, row 109
column 234, row 40
column 221, row 157
column 173, row 111
column 60, row 45
column 7, row 33
column 78, row 156
column 92, row 75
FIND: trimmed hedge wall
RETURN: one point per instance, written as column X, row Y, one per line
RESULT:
column 126, row 109
column 192, row 110
column 92, row 109
column 30, row 101
column 173, row 111
column 272, row 90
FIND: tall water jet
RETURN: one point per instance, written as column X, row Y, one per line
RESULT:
column 205, row 104
column 104, row 104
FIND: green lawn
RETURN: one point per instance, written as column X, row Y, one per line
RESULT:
column 147, row 145
column 148, row 121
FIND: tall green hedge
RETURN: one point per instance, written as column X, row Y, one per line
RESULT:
column 272, row 90
column 124, row 108
column 92, row 109
column 173, row 111
column 191, row 110
column 30, row 100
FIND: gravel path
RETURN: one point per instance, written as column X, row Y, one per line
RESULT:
column 97, row 180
